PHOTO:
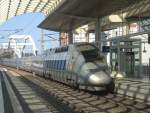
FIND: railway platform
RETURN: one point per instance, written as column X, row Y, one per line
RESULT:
column 138, row 89
column 39, row 95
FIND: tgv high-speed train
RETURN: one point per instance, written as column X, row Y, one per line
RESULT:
column 79, row 65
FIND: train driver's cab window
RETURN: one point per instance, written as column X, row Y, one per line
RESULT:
column 89, row 51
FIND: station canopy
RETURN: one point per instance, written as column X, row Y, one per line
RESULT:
column 11, row 8
column 74, row 13
column 63, row 15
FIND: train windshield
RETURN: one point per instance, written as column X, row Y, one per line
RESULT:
column 89, row 51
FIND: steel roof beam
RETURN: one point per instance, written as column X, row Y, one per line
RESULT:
column 27, row 6
column 46, row 3
column 8, row 10
column 18, row 8
column 37, row 6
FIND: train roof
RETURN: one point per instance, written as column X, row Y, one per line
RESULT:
column 81, row 43
column 65, row 48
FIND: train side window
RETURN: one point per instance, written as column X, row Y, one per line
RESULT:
column 52, row 64
column 63, row 49
column 49, row 63
column 64, row 66
column 60, row 65
column 60, row 50
column 55, row 64
column 56, row 50
column 45, row 63
column 67, row 48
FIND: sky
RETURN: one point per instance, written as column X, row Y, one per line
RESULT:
column 28, row 23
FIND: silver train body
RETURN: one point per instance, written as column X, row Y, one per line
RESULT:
column 79, row 65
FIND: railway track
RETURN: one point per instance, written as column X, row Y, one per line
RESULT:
column 8, row 108
column 80, row 101
column 8, row 100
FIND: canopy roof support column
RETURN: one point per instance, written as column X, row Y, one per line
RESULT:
column 98, row 36
column 70, row 32
column 140, row 59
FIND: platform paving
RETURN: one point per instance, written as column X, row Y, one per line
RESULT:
column 134, row 88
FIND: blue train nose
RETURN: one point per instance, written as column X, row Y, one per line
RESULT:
column 99, row 78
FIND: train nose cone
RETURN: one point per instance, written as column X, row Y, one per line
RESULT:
column 99, row 78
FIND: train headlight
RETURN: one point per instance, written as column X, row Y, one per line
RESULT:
column 99, row 78
column 94, row 79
